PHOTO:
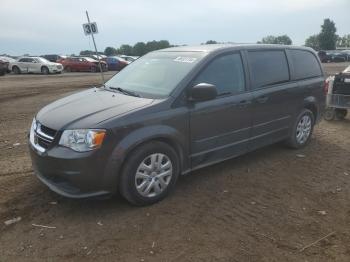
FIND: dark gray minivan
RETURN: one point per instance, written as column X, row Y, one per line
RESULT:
column 173, row 111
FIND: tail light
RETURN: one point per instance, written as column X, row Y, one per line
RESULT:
column 326, row 86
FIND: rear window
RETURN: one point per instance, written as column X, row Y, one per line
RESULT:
column 268, row 68
column 305, row 64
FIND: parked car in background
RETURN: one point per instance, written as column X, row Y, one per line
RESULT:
column 173, row 111
column 129, row 58
column 115, row 63
column 3, row 67
column 101, row 57
column 346, row 54
column 35, row 65
column 8, row 60
column 84, row 64
column 54, row 58
column 332, row 56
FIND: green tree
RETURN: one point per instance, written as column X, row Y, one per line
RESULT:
column 125, row 50
column 86, row 52
column 328, row 37
column 109, row 51
column 211, row 42
column 313, row 42
column 139, row 49
column 281, row 40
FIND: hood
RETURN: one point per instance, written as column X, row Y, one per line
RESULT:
column 88, row 108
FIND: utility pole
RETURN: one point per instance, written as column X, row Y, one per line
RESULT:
column 98, row 57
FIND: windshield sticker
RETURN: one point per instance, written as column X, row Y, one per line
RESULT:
column 182, row 59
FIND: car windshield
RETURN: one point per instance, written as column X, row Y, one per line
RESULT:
column 42, row 60
column 157, row 74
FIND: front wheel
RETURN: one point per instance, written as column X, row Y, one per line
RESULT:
column 45, row 70
column 302, row 130
column 16, row 70
column 149, row 174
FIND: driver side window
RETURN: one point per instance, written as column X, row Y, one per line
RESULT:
column 226, row 73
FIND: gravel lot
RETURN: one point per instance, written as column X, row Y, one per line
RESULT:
column 274, row 204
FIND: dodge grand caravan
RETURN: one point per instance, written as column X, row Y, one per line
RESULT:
column 173, row 111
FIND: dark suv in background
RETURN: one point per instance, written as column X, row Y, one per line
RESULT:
column 173, row 111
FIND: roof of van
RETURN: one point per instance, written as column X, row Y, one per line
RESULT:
column 215, row 47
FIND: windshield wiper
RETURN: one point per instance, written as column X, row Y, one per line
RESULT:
column 124, row 91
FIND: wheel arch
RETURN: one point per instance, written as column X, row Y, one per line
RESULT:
column 310, row 103
column 142, row 136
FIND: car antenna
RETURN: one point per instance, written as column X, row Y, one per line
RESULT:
column 91, row 29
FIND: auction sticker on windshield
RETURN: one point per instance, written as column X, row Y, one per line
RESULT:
column 183, row 59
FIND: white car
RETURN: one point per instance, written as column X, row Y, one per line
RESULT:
column 35, row 65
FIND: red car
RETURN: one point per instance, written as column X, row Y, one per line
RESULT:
column 86, row 64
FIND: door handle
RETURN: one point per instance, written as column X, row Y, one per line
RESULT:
column 262, row 99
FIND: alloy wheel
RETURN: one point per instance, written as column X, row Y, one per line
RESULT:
column 303, row 129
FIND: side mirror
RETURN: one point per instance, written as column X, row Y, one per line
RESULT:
column 203, row 92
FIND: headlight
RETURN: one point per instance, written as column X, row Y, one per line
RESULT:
column 82, row 140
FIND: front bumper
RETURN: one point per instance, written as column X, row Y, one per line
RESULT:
column 73, row 174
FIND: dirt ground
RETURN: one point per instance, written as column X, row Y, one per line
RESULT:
column 274, row 204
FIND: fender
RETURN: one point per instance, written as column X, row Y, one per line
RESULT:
column 142, row 135
column 311, row 103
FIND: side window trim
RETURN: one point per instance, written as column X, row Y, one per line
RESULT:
column 226, row 94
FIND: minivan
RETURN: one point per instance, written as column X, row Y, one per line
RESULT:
column 173, row 111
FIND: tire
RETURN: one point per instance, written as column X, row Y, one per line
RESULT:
column 340, row 113
column 67, row 69
column 45, row 70
column 2, row 72
column 329, row 114
column 16, row 70
column 153, row 177
column 302, row 130
column 93, row 69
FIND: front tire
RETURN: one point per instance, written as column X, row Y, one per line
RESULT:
column 149, row 173
column 45, row 70
column 16, row 70
column 302, row 130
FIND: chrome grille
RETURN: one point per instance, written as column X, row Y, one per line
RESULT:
column 41, row 137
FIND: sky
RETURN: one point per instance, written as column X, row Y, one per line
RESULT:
column 40, row 27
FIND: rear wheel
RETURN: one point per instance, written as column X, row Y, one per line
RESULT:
column 45, row 70
column 302, row 130
column 149, row 174
column 16, row 70
column 67, row 69
column 93, row 69
column 340, row 113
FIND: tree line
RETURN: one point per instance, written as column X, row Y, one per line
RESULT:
column 326, row 39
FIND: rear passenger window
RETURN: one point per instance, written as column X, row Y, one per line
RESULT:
column 268, row 68
column 305, row 64
column 226, row 73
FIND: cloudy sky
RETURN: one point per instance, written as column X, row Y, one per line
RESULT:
column 41, row 26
